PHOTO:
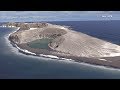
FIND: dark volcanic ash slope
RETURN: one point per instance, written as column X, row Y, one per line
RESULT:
column 66, row 41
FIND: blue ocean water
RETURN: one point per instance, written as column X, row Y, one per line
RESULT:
column 16, row 65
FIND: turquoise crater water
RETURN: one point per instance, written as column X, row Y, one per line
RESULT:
column 40, row 43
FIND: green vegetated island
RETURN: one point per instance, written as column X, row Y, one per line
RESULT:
column 56, row 41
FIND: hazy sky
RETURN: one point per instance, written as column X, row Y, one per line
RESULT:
column 22, row 16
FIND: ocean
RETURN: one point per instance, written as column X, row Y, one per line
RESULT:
column 15, row 65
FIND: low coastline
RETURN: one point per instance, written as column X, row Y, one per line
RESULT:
column 71, row 58
column 73, row 61
column 66, row 60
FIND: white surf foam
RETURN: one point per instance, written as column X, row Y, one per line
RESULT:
column 7, row 26
column 10, row 26
column 24, row 50
column 3, row 26
column 50, row 56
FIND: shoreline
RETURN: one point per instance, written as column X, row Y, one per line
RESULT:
column 24, row 51
column 73, row 61
column 82, row 63
column 55, row 57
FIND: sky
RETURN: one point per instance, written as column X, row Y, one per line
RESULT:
column 36, row 16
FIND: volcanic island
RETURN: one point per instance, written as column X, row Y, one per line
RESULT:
column 62, row 42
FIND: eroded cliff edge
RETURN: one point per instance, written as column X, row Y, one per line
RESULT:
column 66, row 43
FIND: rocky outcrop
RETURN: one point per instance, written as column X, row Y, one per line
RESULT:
column 26, row 26
column 25, row 36
column 14, row 39
column 56, row 42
